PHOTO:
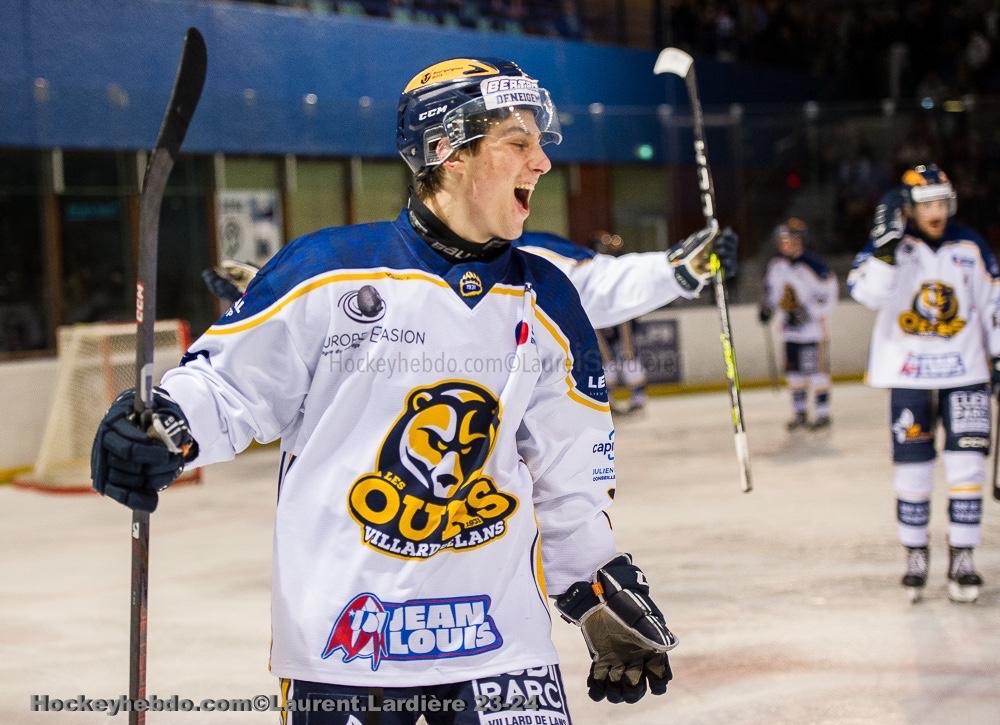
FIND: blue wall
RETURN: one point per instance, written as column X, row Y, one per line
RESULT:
column 81, row 47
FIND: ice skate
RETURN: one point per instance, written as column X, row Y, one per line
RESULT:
column 798, row 422
column 821, row 423
column 915, row 578
column 963, row 580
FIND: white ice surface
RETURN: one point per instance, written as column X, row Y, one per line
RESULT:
column 786, row 600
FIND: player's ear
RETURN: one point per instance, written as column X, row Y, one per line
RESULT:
column 454, row 160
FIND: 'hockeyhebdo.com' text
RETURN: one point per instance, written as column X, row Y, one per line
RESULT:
column 442, row 363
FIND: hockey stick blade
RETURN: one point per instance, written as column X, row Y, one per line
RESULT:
column 184, row 98
column 673, row 60
column 183, row 101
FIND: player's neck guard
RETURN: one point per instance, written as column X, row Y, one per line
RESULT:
column 444, row 241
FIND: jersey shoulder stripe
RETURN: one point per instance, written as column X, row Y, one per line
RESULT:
column 356, row 247
column 555, row 244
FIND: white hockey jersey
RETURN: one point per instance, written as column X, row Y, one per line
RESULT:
column 612, row 289
column 938, row 311
column 804, row 291
column 445, row 439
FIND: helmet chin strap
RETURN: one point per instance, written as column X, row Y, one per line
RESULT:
column 444, row 241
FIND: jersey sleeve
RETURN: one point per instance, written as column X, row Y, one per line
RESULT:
column 824, row 295
column 769, row 298
column 987, row 291
column 871, row 281
column 612, row 289
column 247, row 376
column 566, row 439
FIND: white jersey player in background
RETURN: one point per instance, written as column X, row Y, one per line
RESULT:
column 802, row 288
column 935, row 345
column 428, row 502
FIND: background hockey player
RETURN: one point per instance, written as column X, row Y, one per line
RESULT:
column 622, row 361
column 417, row 509
column 799, row 285
column 935, row 286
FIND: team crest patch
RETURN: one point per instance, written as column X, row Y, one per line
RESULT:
column 428, row 492
column 789, row 301
column 417, row 629
column 934, row 312
column 470, row 285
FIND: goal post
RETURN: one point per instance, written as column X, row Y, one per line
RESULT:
column 96, row 362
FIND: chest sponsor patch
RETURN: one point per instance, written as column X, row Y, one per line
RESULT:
column 946, row 365
column 368, row 628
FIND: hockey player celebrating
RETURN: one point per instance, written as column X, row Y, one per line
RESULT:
column 418, row 508
column 935, row 286
column 616, row 288
column 800, row 285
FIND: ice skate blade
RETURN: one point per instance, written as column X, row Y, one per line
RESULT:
column 962, row 594
column 915, row 594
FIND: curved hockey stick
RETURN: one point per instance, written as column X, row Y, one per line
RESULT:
column 680, row 64
column 183, row 101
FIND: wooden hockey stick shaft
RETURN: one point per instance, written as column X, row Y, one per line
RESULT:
column 679, row 63
column 183, row 101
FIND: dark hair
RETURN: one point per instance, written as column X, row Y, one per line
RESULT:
column 431, row 178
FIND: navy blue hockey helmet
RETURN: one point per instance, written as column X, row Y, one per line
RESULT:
column 928, row 183
column 458, row 99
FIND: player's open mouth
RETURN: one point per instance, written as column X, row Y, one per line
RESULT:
column 522, row 193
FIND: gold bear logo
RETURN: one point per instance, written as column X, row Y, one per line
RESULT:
column 429, row 492
column 934, row 312
column 447, row 434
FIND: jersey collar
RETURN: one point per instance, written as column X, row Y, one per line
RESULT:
column 471, row 280
column 444, row 241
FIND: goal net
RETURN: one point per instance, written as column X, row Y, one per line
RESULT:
column 96, row 362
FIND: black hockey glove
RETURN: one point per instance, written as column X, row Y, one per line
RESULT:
column 229, row 280
column 764, row 314
column 625, row 632
column 220, row 286
column 691, row 259
column 130, row 463
column 726, row 246
column 995, row 376
column 888, row 226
